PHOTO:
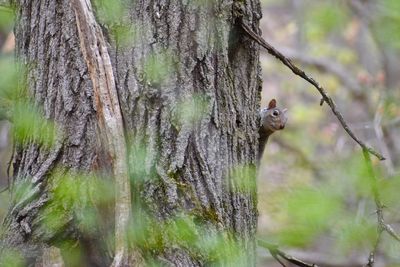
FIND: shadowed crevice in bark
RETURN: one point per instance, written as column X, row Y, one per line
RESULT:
column 110, row 124
column 59, row 85
column 182, row 54
column 194, row 160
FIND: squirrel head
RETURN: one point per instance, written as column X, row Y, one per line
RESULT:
column 273, row 118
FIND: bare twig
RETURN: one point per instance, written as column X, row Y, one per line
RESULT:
column 328, row 66
column 325, row 97
column 382, row 225
column 276, row 253
column 4, row 189
column 371, row 257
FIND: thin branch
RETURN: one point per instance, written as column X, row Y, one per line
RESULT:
column 4, row 189
column 276, row 253
column 325, row 97
column 382, row 225
column 329, row 66
column 371, row 257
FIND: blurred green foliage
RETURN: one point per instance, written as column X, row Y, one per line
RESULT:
column 324, row 18
column 203, row 241
column 157, row 67
column 355, row 234
column 321, row 193
column 11, row 258
column 387, row 25
column 114, row 15
column 29, row 125
column 242, row 178
column 140, row 160
column 315, row 191
column 76, row 196
column 311, row 212
column 110, row 11
column 190, row 110
column 22, row 191
column 6, row 19
column 9, row 90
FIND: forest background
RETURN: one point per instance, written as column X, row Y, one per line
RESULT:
column 316, row 201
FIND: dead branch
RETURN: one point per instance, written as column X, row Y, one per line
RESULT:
column 325, row 97
column 95, row 52
column 328, row 66
column 382, row 225
column 276, row 253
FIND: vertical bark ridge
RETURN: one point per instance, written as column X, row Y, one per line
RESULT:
column 194, row 162
column 58, row 84
column 187, row 166
column 95, row 52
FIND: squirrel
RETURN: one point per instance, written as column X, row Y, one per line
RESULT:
column 271, row 119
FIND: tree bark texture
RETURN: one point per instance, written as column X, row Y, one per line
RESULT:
column 187, row 166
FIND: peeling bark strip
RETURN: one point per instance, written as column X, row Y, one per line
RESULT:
column 110, row 123
column 57, row 82
column 189, row 167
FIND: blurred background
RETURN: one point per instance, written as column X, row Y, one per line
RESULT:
column 315, row 198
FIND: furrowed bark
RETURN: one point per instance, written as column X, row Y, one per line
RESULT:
column 190, row 166
column 95, row 52
column 57, row 81
column 195, row 167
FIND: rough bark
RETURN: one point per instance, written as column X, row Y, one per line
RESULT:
column 188, row 166
column 111, row 129
column 58, row 82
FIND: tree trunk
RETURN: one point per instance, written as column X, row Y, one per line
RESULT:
column 186, row 81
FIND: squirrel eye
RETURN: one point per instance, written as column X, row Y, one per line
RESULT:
column 275, row 113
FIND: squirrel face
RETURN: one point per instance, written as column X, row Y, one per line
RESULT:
column 273, row 118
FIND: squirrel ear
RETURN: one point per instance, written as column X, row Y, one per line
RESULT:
column 272, row 104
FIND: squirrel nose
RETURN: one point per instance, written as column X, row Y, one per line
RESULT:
column 282, row 126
